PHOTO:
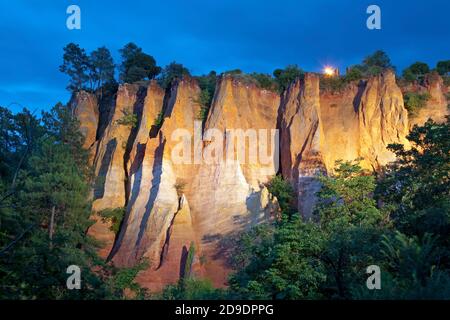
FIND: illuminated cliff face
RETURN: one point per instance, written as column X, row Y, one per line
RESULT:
column 436, row 106
column 201, row 201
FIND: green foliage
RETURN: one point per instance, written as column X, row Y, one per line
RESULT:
column 121, row 283
column 191, row 289
column 88, row 72
column 203, row 113
column 102, row 67
column 417, row 188
column 51, row 215
column 261, row 80
column 137, row 65
column 351, row 226
column 19, row 134
column 338, row 83
column 379, row 59
column 189, row 261
column 234, row 72
column 324, row 259
column 328, row 258
column 411, row 269
column 252, row 244
column 415, row 101
column 416, row 72
column 282, row 264
column 443, row 67
column 207, row 84
column 171, row 72
column 446, row 81
column 284, row 192
column 128, row 119
column 159, row 119
column 113, row 216
column 372, row 65
column 75, row 65
column 413, row 258
column 333, row 84
column 265, row 81
column 417, row 185
column 284, row 77
column 45, row 210
column 354, row 74
column 345, row 198
column 204, row 100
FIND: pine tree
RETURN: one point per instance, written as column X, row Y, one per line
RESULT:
column 76, row 65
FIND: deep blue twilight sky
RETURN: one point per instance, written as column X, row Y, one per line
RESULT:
column 209, row 35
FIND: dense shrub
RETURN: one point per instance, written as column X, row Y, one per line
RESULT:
column 207, row 84
column 137, row 65
column 128, row 119
column 443, row 67
column 170, row 72
column 415, row 101
column 284, row 192
column 191, row 289
column 372, row 65
column 113, row 216
column 265, row 81
column 354, row 74
column 416, row 72
column 333, row 84
column 284, row 77
column 446, row 80
column 159, row 119
column 261, row 80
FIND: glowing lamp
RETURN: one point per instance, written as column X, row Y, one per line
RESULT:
column 329, row 71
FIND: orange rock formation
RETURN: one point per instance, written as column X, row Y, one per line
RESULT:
column 171, row 205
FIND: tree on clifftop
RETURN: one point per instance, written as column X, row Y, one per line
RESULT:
column 416, row 71
column 374, row 64
column 137, row 65
column 172, row 71
column 443, row 67
column 102, row 67
column 284, row 77
column 76, row 66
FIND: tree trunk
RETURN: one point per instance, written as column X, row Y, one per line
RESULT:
column 51, row 226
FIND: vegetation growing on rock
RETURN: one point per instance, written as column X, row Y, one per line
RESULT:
column 415, row 101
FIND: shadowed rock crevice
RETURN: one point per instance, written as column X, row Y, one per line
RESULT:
column 106, row 105
column 156, row 181
column 357, row 100
column 137, row 110
column 99, row 187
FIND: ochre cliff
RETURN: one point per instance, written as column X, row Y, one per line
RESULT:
column 110, row 160
column 226, row 194
column 319, row 129
column 362, row 120
column 187, row 183
column 85, row 109
column 383, row 120
column 154, row 200
column 436, row 106
column 301, row 139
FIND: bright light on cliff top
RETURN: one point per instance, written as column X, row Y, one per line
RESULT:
column 329, row 71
